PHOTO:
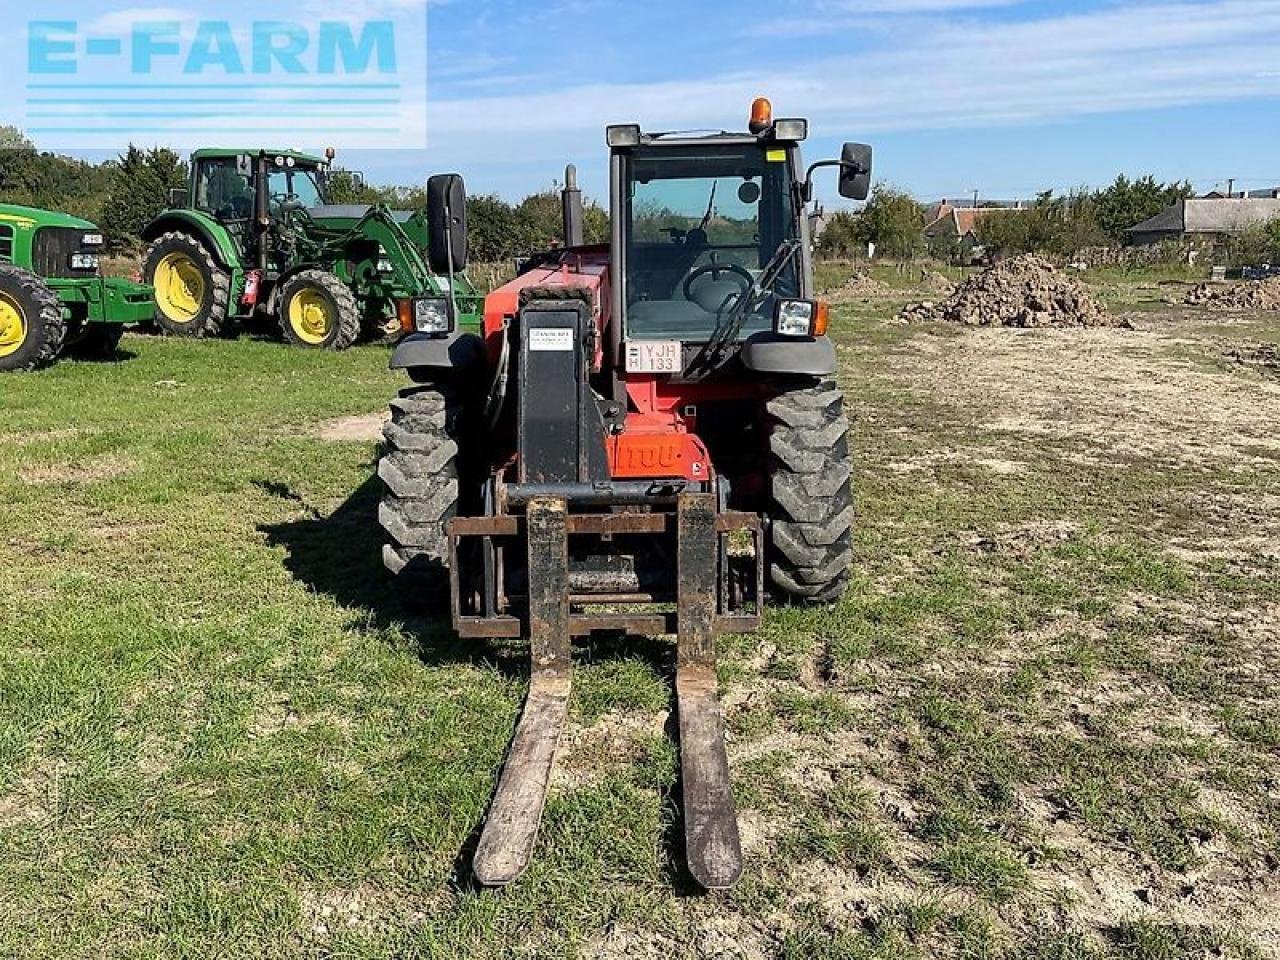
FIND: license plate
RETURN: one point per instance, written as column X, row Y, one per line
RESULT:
column 654, row 356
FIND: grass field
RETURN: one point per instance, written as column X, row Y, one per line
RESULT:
column 1044, row 724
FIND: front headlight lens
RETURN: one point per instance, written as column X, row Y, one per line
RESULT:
column 84, row 261
column 795, row 318
column 92, row 240
column 431, row 316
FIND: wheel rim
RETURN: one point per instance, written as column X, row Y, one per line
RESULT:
column 311, row 316
column 180, row 288
column 13, row 326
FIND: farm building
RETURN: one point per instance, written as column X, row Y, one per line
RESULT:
column 1204, row 221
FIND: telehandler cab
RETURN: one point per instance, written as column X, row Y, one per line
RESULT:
column 647, row 438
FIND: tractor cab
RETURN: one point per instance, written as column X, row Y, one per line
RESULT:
column 255, row 194
column 711, row 242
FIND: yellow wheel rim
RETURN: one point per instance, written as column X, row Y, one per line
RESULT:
column 311, row 316
column 180, row 288
column 13, row 326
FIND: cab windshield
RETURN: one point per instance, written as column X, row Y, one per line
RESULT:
column 702, row 224
column 296, row 183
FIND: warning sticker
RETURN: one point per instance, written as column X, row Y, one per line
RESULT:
column 551, row 340
column 776, row 156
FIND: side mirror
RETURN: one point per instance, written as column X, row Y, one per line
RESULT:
column 447, row 223
column 855, row 171
column 179, row 198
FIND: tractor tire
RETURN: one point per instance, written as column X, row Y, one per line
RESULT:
column 318, row 311
column 32, row 327
column 193, row 293
column 421, row 470
column 101, row 341
column 809, row 549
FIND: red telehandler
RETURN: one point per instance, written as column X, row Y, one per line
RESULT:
column 647, row 438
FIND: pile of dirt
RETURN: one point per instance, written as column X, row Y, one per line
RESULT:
column 859, row 286
column 1260, row 356
column 1251, row 295
column 1026, row 291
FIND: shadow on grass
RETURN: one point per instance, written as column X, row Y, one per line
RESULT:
column 340, row 556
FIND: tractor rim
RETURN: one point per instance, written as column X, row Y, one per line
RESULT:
column 180, row 287
column 311, row 316
column 13, row 326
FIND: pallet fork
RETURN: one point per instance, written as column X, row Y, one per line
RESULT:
column 555, row 614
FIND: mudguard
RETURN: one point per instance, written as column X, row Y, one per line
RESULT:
column 458, row 351
column 217, row 240
column 771, row 353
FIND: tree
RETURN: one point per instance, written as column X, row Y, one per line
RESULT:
column 11, row 138
column 139, row 192
column 840, row 237
column 1056, row 225
column 1128, row 202
column 893, row 221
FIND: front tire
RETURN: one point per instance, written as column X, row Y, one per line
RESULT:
column 319, row 311
column 193, row 293
column 32, row 328
column 810, row 544
column 420, row 470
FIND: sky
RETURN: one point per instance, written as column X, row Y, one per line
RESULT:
column 1005, row 97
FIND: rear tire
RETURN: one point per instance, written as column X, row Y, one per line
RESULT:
column 810, row 544
column 32, row 328
column 318, row 311
column 420, row 470
column 193, row 293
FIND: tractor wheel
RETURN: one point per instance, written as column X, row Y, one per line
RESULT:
column 32, row 328
column 420, row 469
column 101, row 341
column 318, row 310
column 193, row 293
column 810, row 544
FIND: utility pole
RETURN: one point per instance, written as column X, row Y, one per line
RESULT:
column 1231, row 188
column 975, row 199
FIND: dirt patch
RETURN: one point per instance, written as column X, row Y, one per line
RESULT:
column 107, row 467
column 1250, row 295
column 362, row 428
column 1106, row 398
column 1264, row 357
column 1025, row 291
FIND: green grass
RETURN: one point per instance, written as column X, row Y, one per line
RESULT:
column 220, row 736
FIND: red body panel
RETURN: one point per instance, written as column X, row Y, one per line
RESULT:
column 659, row 439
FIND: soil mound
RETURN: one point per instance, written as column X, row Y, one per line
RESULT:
column 1250, row 295
column 1026, row 291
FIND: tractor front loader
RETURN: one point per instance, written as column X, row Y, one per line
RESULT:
column 647, row 439
column 255, row 232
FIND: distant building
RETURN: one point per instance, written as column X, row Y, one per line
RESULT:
column 1205, row 220
column 957, row 224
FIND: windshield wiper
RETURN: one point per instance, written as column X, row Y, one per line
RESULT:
column 711, row 356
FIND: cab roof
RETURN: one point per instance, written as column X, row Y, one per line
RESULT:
column 221, row 153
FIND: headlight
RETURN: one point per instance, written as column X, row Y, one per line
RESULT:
column 794, row 318
column 84, row 261
column 426, row 316
column 801, row 318
column 91, row 240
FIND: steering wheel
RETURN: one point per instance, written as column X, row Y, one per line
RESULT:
column 715, row 269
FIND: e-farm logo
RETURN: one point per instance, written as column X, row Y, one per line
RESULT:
column 131, row 76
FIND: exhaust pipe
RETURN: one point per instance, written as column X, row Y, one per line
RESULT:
column 571, row 207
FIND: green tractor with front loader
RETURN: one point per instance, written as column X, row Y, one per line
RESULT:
column 255, row 233
column 53, row 297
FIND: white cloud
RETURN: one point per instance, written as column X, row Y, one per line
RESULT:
column 944, row 75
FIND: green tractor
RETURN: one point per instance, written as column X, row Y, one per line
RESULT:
column 53, row 297
column 255, row 232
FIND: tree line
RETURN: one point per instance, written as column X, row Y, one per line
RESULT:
column 122, row 195
column 1056, row 224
